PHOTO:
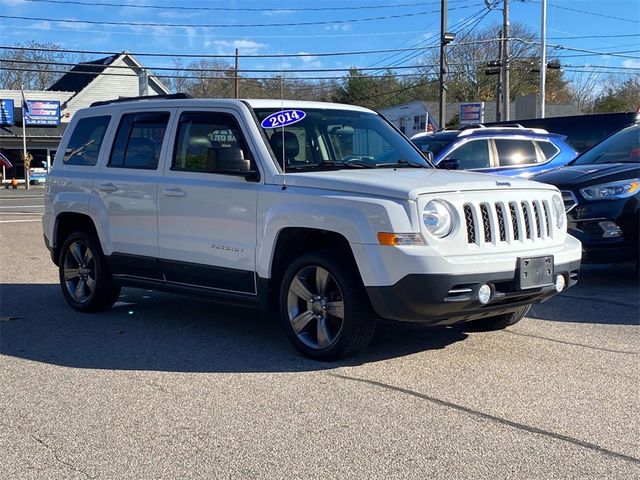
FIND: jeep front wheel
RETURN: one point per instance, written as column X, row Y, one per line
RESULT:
column 85, row 279
column 324, row 307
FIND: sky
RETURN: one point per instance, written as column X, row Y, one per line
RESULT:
column 416, row 23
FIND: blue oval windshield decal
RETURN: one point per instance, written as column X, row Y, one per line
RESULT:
column 283, row 118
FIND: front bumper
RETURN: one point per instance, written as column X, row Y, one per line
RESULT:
column 427, row 298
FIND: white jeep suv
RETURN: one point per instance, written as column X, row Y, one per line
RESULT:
column 322, row 211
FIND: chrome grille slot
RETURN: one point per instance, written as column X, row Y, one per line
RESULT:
column 538, row 220
column 486, row 223
column 547, row 217
column 525, row 214
column 501, row 226
column 471, row 229
column 514, row 220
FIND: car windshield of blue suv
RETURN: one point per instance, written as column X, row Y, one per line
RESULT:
column 621, row 147
column 325, row 139
column 430, row 144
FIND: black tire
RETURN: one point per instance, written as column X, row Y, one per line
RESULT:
column 85, row 279
column 500, row 322
column 343, row 293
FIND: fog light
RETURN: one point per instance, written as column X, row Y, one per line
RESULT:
column 560, row 283
column 610, row 229
column 484, row 294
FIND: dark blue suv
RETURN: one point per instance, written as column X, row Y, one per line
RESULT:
column 514, row 151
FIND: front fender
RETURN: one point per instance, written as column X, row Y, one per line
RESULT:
column 356, row 218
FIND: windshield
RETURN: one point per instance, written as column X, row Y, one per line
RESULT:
column 320, row 139
column 432, row 145
column 621, row 147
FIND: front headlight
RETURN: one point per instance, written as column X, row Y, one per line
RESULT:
column 613, row 190
column 558, row 211
column 439, row 218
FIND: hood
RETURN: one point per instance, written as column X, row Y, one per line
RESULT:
column 585, row 175
column 404, row 182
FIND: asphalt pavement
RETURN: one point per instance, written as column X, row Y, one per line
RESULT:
column 164, row 386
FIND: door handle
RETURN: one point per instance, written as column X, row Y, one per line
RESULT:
column 107, row 187
column 174, row 192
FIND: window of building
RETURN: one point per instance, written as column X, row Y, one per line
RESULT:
column 420, row 123
column 515, row 153
column 139, row 140
column 85, row 142
column 207, row 141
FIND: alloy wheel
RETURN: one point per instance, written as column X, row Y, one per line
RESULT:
column 79, row 271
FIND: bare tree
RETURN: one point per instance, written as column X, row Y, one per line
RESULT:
column 22, row 67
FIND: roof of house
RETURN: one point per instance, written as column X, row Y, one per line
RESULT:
column 82, row 75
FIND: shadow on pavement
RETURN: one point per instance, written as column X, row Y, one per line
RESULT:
column 161, row 332
column 604, row 294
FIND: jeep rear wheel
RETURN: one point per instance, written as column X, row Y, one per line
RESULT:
column 324, row 307
column 85, row 279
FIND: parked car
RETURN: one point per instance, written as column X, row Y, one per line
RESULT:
column 601, row 192
column 514, row 151
column 322, row 211
column 581, row 131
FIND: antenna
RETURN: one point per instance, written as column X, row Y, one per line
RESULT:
column 284, row 160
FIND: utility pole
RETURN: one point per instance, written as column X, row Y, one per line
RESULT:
column 499, row 82
column 236, row 79
column 505, row 62
column 543, row 58
column 442, row 119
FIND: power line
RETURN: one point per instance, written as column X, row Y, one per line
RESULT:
column 230, row 9
column 226, row 25
column 192, row 69
column 595, row 14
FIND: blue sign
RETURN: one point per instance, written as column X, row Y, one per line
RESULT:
column 471, row 113
column 42, row 112
column 283, row 118
column 6, row 112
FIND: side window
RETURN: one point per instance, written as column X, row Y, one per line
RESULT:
column 208, row 142
column 516, row 153
column 84, row 145
column 473, row 154
column 548, row 149
column 139, row 140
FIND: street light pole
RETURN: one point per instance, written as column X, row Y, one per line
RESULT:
column 543, row 57
column 505, row 64
column 443, row 64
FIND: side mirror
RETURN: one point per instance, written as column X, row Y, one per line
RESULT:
column 427, row 154
column 230, row 161
column 449, row 164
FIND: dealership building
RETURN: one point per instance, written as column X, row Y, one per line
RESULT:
column 49, row 111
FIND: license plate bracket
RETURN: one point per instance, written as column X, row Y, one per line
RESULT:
column 535, row 272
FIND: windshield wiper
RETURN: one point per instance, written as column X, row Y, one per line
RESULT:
column 403, row 162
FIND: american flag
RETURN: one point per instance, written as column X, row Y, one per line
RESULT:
column 25, row 105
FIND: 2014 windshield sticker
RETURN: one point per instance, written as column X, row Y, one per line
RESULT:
column 283, row 118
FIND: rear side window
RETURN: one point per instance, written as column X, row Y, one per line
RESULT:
column 139, row 140
column 548, row 149
column 472, row 154
column 206, row 142
column 516, row 153
column 84, row 145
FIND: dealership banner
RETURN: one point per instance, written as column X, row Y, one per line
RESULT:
column 42, row 112
column 471, row 113
column 6, row 111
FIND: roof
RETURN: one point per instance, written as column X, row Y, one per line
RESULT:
column 150, row 102
column 82, row 75
column 33, row 132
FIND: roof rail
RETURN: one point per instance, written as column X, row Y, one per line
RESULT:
column 172, row 96
column 472, row 125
